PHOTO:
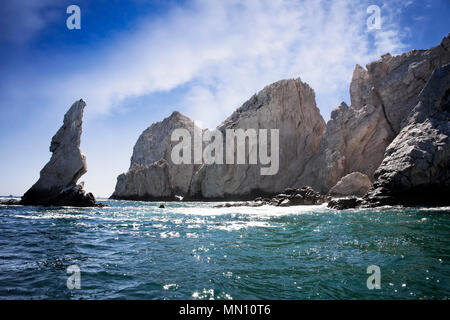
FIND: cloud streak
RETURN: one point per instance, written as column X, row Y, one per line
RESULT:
column 224, row 51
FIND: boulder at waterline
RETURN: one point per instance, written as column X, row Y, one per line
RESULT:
column 353, row 184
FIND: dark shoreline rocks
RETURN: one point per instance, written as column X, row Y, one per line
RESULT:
column 290, row 197
column 344, row 203
column 10, row 202
column 395, row 133
column 152, row 175
column 146, row 198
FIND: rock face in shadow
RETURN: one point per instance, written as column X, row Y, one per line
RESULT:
column 152, row 174
column 353, row 184
column 416, row 167
column 381, row 98
column 57, row 184
column 290, row 107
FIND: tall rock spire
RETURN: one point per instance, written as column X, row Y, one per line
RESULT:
column 57, row 184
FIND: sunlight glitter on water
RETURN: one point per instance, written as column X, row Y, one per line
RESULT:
column 192, row 250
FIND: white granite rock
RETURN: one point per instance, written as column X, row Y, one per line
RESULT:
column 311, row 153
column 287, row 105
column 152, row 174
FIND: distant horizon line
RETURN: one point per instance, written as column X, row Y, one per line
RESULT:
column 16, row 196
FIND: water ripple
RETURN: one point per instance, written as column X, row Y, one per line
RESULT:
column 135, row 250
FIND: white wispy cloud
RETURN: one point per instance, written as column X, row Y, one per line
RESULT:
column 21, row 20
column 227, row 50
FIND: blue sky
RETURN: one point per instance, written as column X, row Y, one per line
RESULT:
column 134, row 62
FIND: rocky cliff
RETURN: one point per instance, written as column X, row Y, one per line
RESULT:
column 290, row 107
column 152, row 174
column 311, row 153
column 381, row 99
column 416, row 167
column 57, row 184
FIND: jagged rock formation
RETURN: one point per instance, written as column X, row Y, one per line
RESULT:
column 394, row 83
column 152, row 174
column 354, row 140
column 287, row 105
column 353, row 184
column 381, row 98
column 416, row 167
column 57, row 184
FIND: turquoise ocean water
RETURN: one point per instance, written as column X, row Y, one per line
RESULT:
column 134, row 250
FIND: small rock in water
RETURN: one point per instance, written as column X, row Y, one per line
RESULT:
column 161, row 206
column 416, row 168
column 10, row 202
